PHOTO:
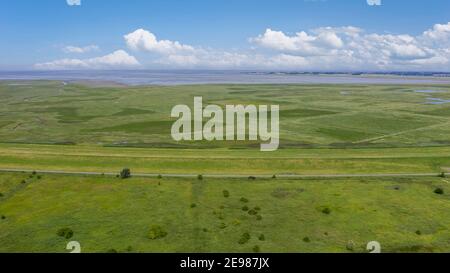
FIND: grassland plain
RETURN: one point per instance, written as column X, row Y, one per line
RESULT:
column 325, row 215
column 311, row 115
column 325, row 130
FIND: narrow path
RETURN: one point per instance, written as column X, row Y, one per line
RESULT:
column 291, row 176
column 402, row 132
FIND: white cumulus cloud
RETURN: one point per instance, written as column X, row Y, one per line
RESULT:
column 73, row 2
column 116, row 60
column 80, row 50
column 145, row 40
column 374, row 2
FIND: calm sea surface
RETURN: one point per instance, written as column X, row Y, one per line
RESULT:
column 145, row 77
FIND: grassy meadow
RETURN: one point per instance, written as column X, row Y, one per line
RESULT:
column 325, row 130
column 328, row 215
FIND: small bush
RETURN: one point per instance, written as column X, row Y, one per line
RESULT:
column 418, row 232
column 23, row 182
column 326, row 211
column 350, row 246
column 111, row 251
column 236, row 222
column 442, row 175
column 33, row 173
column 3, row 217
column 193, row 205
column 205, row 230
column 306, row 240
column 252, row 212
column 65, row 232
column 245, row 208
column 223, row 226
column 156, row 232
column 251, row 178
column 439, row 191
column 244, row 238
column 39, row 177
column 257, row 208
column 222, row 207
column 258, row 217
column 274, row 177
column 125, row 173
column 226, row 194
column 1, row 194
column 256, row 249
column 244, row 200
column 262, row 237
column 160, row 176
column 129, row 248
column 200, row 177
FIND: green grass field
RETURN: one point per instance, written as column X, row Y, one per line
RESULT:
column 325, row 130
column 404, row 215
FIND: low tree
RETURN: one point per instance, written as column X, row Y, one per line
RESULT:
column 125, row 173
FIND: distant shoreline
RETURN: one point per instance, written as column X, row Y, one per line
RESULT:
column 173, row 78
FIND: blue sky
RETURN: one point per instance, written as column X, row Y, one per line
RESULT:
column 231, row 34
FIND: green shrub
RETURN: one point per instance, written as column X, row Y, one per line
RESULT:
column 34, row 173
column 205, row 230
column 252, row 212
column 23, row 182
column 39, row 177
column 160, row 176
column 262, row 237
column 156, row 232
column 244, row 200
column 418, row 232
column 326, row 211
column 3, row 217
column 350, row 246
column 129, row 249
column 226, row 194
column 125, row 173
column 112, row 250
column 244, row 238
column 258, row 217
column 274, row 177
column 1, row 194
column 257, row 208
column 245, row 208
column 442, row 175
column 256, row 249
column 200, row 177
column 251, row 178
column 223, row 226
column 439, row 191
column 306, row 240
column 65, row 232
column 193, row 205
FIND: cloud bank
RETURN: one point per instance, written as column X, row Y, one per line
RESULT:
column 327, row 48
column 116, row 60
